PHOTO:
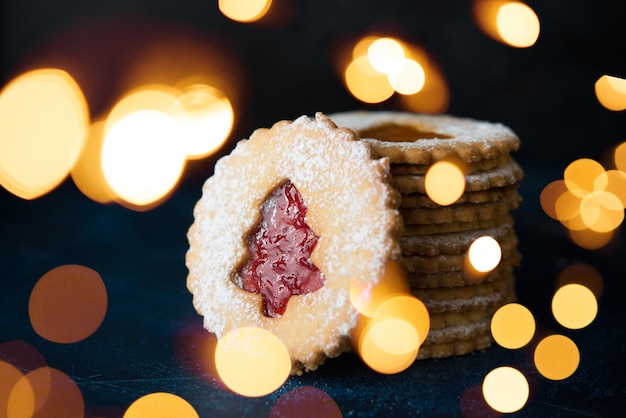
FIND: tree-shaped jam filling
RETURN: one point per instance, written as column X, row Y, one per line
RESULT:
column 280, row 247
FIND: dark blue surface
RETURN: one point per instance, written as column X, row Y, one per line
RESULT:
column 151, row 336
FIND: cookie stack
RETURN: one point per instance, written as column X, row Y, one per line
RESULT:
column 436, row 238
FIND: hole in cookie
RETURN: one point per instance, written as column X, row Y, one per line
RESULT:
column 393, row 132
column 280, row 250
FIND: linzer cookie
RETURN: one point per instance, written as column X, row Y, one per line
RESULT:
column 284, row 225
column 436, row 237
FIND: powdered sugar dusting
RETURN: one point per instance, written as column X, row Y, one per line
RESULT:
column 350, row 208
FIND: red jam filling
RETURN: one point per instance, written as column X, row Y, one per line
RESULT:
column 280, row 250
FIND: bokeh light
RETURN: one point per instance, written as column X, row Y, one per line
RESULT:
column 583, row 274
column 580, row 176
column 305, row 402
column 379, row 66
column 506, row 389
column 244, row 10
column 484, row 254
column 611, row 92
column 389, row 342
column 556, row 357
column 518, row 25
column 87, row 173
column 574, row 306
column 513, row 23
column 48, row 392
column 513, row 326
column 68, row 304
column 252, row 361
column 367, row 298
column 445, row 182
column 140, row 160
column 205, row 119
column 43, row 122
column 161, row 405
column 365, row 83
column 385, row 54
column 9, row 377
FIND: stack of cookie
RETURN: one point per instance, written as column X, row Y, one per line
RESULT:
column 436, row 238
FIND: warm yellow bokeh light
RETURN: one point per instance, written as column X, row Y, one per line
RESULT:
column 549, row 195
column 407, row 77
column 204, row 120
column 580, row 176
column 484, row 254
column 611, row 92
column 513, row 326
column 556, row 357
column 408, row 308
column 68, row 304
column 9, row 377
column 47, row 391
column 43, row 122
column 518, row 24
column 87, row 173
column 244, row 10
column 590, row 240
column 365, row 83
column 161, row 405
column 366, row 298
column 601, row 211
column 252, row 361
column 141, row 159
column 377, row 358
column 444, row 182
column 567, row 207
column 619, row 157
column 505, row 389
column 385, row 55
column 582, row 274
column 612, row 181
column 574, row 306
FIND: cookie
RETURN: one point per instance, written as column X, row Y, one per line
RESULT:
column 436, row 228
column 462, row 212
column 506, row 175
column 458, row 277
column 470, row 167
column 421, row 200
column 413, row 263
column 468, row 297
column 418, row 139
column 348, row 206
column 455, row 347
column 452, row 242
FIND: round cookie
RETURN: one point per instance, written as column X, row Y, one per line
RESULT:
column 350, row 207
column 455, row 347
column 413, row 138
column 421, row 200
column 471, row 167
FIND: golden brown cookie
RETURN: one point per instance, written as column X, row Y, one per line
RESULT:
column 462, row 212
column 452, row 242
column 469, row 297
column 455, row 347
column 506, row 175
column 459, row 278
column 438, row 228
column 423, row 139
column 421, row 200
column 349, row 207
column 470, row 167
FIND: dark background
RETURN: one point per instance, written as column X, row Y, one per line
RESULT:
column 544, row 93
column 150, row 338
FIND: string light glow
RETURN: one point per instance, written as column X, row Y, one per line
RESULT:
column 556, row 357
column 611, row 92
column 161, row 405
column 43, row 122
column 513, row 326
column 244, row 10
column 252, row 361
column 484, row 254
column 574, row 306
column 445, row 182
column 506, row 389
